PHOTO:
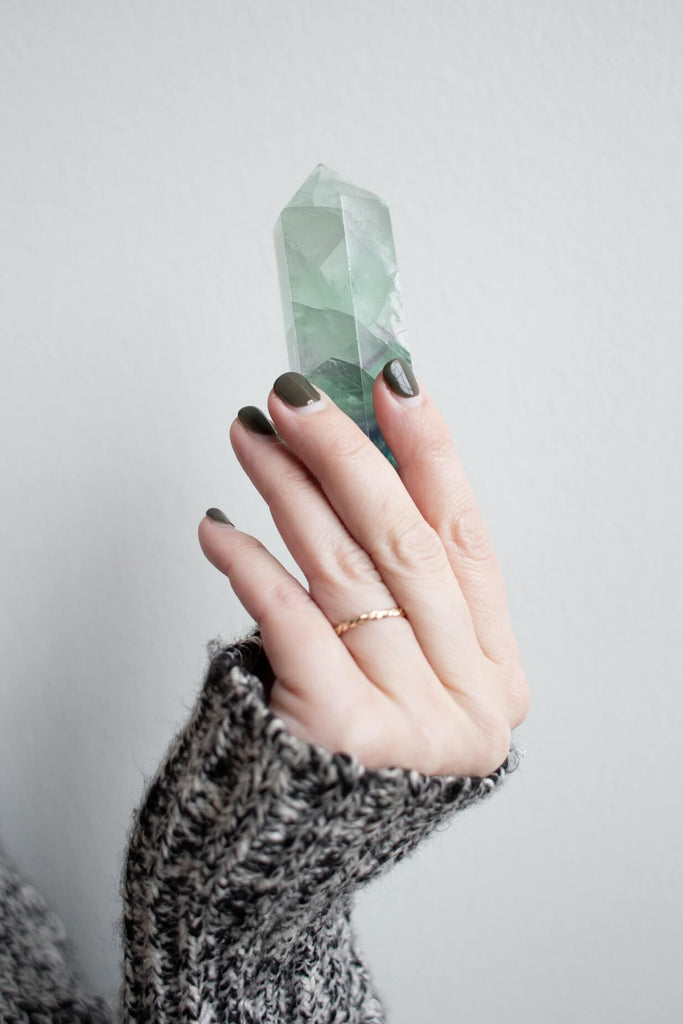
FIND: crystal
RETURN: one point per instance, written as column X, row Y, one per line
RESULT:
column 340, row 292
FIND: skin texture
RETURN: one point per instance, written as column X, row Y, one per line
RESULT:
column 439, row 691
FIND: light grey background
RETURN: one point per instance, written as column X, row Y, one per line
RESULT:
column 532, row 156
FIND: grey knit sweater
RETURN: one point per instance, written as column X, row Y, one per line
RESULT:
column 241, row 867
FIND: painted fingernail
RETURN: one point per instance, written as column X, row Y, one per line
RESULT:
column 254, row 420
column 398, row 373
column 294, row 389
column 218, row 516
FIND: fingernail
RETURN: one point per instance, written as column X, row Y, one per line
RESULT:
column 398, row 373
column 254, row 420
column 218, row 516
column 294, row 389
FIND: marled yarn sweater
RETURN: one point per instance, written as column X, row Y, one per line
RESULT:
column 242, row 863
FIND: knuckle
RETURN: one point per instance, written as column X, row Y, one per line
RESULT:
column 471, row 536
column 414, row 543
column 359, row 731
column 496, row 737
column 345, row 562
column 500, row 740
column 491, row 733
column 513, row 690
column 437, row 741
column 282, row 595
column 520, row 693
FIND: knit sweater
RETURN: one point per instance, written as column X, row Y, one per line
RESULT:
column 238, row 881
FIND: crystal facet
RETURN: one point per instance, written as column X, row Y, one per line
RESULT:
column 340, row 292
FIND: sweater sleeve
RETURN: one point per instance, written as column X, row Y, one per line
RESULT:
column 244, row 856
column 39, row 979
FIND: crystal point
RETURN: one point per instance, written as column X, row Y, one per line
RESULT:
column 340, row 292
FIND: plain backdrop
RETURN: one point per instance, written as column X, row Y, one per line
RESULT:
column 532, row 156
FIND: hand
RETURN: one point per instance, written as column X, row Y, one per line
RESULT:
column 439, row 691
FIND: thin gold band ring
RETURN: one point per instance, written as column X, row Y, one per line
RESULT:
column 378, row 613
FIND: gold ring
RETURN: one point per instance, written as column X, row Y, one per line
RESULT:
column 379, row 613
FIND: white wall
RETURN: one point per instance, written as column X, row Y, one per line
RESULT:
column 532, row 155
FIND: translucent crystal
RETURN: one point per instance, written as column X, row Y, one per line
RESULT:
column 340, row 293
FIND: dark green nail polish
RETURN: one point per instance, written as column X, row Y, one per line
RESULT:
column 254, row 420
column 218, row 516
column 294, row 389
column 398, row 373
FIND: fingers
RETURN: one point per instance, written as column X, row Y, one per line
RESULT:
column 296, row 635
column 356, row 527
column 431, row 470
column 373, row 504
column 342, row 578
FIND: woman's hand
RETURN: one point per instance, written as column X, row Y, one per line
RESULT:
column 439, row 691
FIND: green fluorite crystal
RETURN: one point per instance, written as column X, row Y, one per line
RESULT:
column 340, row 293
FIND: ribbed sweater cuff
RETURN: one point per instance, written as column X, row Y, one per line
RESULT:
column 248, row 836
